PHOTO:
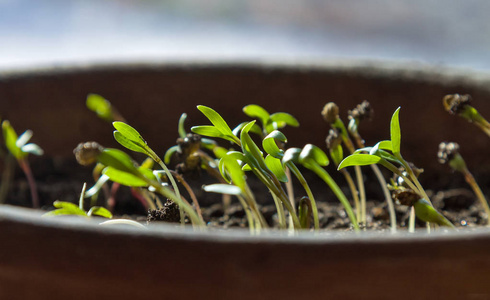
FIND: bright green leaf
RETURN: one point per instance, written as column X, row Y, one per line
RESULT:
column 124, row 178
column 10, row 137
column 425, row 212
column 270, row 146
column 359, row 160
column 216, row 120
column 100, row 106
column 127, row 143
column 65, row 208
column 395, row 132
column 337, row 154
column 282, row 119
column 276, row 167
column 131, row 134
column 206, row 130
column 291, row 155
column 99, row 211
column 117, row 159
column 255, row 129
column 312, row 152
column 256, row 111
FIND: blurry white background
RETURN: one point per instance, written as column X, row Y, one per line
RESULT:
column 51, row 32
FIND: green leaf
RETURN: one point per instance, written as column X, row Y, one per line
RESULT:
column 255, row 129
column 395, row 132
column 129, row 137
column 216, row 120
column 270, row 146
column 182, row 132
column 10, row 137
column 313, row 153
column 117, row 159
column 207, row 130
column 337, row 154
column 65, row 208
column 425, row 212
column 100, row 106
column 291, row 155
column 282, row 119
column 359, row 160
column 127, row 143
column 256, row 111
column 99, row 211
column 385, row 145
column 235, row 174
column 250, row 149
column 223, row 189
column 124, row 178
column 275, row 165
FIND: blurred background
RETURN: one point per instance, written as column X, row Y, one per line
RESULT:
column 52, row 32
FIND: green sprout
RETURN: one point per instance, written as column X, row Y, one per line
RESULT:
column 387, row 153
column 330, row 114
column 449, row 153
column 68, row 208
column 361, row 112
column 103, row 108
column 20, row 149
column 457, row 104
column 252, row 159
column 120, row 168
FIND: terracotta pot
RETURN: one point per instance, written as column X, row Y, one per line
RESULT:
column 74, row 259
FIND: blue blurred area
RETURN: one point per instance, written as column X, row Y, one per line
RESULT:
column 46, row 32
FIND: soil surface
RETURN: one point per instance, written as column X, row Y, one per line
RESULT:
column 62, row 180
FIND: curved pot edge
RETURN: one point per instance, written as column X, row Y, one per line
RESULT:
column 379, row 68
column 27, row 217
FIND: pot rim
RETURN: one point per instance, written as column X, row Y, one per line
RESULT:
column 413, row 70
column 12, row 215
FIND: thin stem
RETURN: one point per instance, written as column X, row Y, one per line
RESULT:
column 24, row 165
column 82, row 196
column 156, row 158
column 190, row 192
column 337, row 191
column 184, row 205
column 250, row 219
column 353, row 191
column 389, row 200
column 411, row 220
column 304, row 183
column 290, row 193
column 479, row 194
column 249, row 197
column 384, row 187
column 362, row 193
column 275, row 187
column 280, row 212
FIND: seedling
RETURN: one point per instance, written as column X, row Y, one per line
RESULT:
column 330, row 114
column 387, row 153
column 364, row 111
column 68, row 208
column 449, row 153
column 457, row 104
column 20, row 149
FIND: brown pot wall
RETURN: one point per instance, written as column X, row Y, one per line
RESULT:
column 70, row 259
